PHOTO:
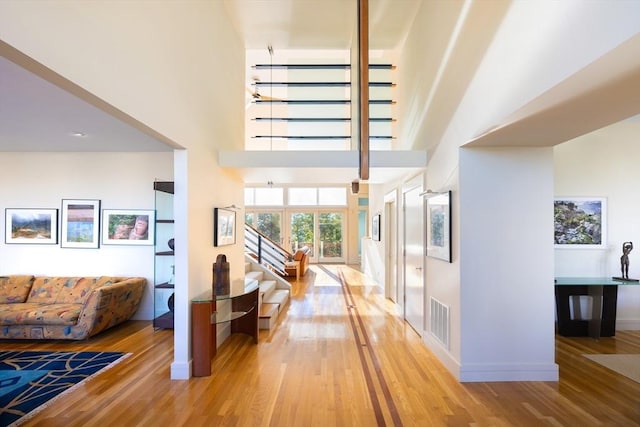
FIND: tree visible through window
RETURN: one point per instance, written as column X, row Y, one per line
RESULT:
column 330, row 235
column 267, row 223
column 302, row 231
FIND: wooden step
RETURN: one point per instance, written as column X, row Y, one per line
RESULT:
column 268, row 310
column 268, row 316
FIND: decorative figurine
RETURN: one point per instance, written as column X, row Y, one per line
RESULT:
column 624, row 259
column 172, row 279
column 221, row 282
column 624, row 263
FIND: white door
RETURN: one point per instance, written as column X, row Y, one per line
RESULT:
column 414, row 258
column 391, row 254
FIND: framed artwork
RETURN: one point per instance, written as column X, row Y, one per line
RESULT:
column 579, row 222
column 31, row 226
column 224, row 227
column 375, row 227
column 80, row 224
column 439, row 226
column 128, row 227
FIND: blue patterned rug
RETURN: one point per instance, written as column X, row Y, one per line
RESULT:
column 30, row 380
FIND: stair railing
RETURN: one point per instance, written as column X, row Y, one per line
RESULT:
column 265, row 250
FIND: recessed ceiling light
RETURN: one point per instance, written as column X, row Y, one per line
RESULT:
column 79, row 134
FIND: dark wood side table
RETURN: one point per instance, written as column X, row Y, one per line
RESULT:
column 204, row 318
column 604, row 292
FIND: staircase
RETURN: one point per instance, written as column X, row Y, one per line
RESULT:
column 274, row 292
column 265, row 251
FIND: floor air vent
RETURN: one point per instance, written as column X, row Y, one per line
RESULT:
column 439, row 321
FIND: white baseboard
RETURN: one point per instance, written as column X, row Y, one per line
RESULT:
column 180, row 371
column 476, row 372
column 489, row 372
column 628, row 324
column 445, row 357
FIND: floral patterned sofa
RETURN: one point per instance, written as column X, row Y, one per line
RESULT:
column 68, row 308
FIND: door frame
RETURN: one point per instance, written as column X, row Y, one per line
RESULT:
column 391, row 248
column 415, row 184
column 315, row 258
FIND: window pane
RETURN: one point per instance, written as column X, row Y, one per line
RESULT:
column 248, row 196
column 268, row 223
column 248, row 218
column 332, row 196
column 302, row 231
column 330, row 225
column 269, row 196
column 303, row 196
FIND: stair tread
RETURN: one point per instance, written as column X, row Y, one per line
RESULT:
column 257, row 275
column 268, row 310
column 278, row 296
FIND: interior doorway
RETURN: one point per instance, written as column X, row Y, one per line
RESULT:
column 391, row 253
column 414, row 293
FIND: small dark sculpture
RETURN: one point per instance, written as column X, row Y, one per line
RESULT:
column 624, row 259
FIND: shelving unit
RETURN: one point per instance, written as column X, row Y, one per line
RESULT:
column 164, row 256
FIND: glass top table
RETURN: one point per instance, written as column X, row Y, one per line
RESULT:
column 239, row 288
column 593, row 281
column 604, row 294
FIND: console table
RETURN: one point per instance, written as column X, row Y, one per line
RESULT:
column 604, row 292
column 205, row 317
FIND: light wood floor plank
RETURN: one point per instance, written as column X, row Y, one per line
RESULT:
column 314, row 367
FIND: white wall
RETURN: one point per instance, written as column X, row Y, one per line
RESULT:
column 118, row 180
column 510, row 70
column 177, row 67
column 506, row 265
column 604, row 164
column 373, row 250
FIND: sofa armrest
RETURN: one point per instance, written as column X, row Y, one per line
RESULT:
column 111, row 304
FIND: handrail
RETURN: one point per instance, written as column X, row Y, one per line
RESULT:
column 266, row 250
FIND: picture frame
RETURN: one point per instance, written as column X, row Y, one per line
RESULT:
column 31, row 226
column 580, row 222
column 128, row 227
column 439, row 226
column 375, row 227
column 224, row 227
column 80, row 223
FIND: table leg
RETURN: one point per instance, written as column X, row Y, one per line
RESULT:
column 595, row 324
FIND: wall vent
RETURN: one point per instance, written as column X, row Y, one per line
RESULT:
column 439, row 321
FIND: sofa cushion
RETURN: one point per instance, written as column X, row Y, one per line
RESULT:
column 40, row 314
column 61, row 290
column 107, row 280
column 14, row 288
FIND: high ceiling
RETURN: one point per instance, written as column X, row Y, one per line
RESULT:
column 285, row 24
column 331, row 24
column 319, row 24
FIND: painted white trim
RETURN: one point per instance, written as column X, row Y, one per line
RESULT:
column 181, row 371
column 491, row 372
column 444, row 356
column 628, row 324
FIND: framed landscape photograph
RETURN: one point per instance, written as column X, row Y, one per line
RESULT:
column 439, row 226
column 31, row 226
column 80, row 225
column 224, row 227
column 580, row 222
column 128, row 227
column 375, row 227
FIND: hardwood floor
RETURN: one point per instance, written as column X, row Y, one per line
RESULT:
column 339, row 357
